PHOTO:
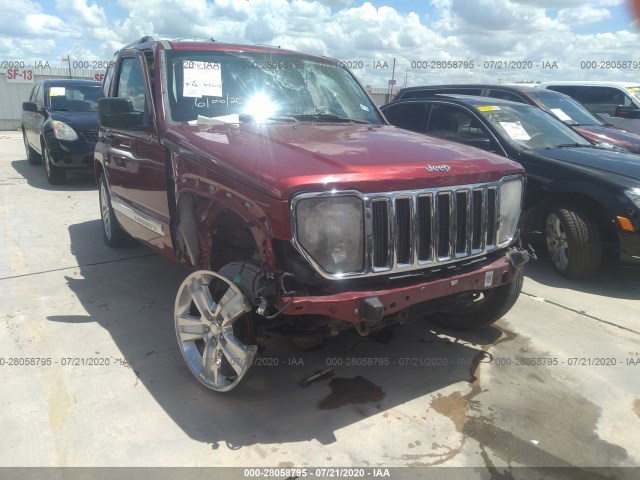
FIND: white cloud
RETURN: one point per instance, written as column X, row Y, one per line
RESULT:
column 583, row 15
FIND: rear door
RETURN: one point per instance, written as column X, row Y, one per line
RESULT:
column 134, row 159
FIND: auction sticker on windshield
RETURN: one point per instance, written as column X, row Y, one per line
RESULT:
column 488, row 108
column 55, row 91
column 202, row 79
column 515, row 130
column 558, row 112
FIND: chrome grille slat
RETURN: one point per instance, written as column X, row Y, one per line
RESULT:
column 431, row 227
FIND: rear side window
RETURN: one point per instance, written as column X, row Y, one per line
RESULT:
column 106, row 84
column 429, row 92
column 504, row 95
column 570, row 90
column 409, row 116
column 604, row 99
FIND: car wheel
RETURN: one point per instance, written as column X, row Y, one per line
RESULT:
column 209, row 309
column 55, row 175
column 32, row 155
column 573, row 242
column 484, row 307
column 112, row 233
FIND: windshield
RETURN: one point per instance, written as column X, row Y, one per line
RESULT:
column 527, row 127
column 263, row 87
column 75, row 98
column 565, row 108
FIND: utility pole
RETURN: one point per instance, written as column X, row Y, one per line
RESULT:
column 68, row 60
column 406, row 75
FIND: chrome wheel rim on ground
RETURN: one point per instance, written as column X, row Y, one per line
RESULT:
column 557, row 242
column 104, row 210
column 207, row 306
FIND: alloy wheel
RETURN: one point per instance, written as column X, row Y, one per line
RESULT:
column 207, row 307
column 557, row 242
column 104, row 209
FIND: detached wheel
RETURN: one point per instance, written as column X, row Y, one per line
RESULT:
column 573, row 242
column 55, row 175
column 210, row 312
column 112, row 233
column 32, row 155
column 484, row 307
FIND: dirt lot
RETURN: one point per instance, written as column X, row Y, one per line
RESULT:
column 554, row 384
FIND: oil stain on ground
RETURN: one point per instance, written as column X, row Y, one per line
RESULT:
column 345, row 391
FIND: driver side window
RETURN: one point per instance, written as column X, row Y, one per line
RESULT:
column 131, row 85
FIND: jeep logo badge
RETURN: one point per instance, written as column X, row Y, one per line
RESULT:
column 438, row 168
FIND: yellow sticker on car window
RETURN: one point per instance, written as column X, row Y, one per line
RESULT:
column 633, row 89
column 488, row 108
column 55, row 91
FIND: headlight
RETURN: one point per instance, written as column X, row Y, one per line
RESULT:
column 510, row 205
column 331, row 232
column 62, row 131
column 634, row 195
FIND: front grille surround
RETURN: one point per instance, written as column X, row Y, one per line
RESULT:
column 418, row 229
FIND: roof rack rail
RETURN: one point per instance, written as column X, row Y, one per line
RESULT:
column 267, row 45
column 195, row 39
column 145, row 39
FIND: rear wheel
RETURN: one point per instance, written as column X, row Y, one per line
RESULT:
column 484, row 307
column 32, row 155
column 55, row 175
column 573, row 241
column 210, row 314
column 112, row 233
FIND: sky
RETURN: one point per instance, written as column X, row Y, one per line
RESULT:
column 436, row 41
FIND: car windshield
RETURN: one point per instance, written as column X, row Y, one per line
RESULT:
column 259, row 87
column 528, row 127
column 74, row 98
column 565, row 108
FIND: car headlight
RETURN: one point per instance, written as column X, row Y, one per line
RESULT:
column 510, row 206
column 62, row 131
column 634, row 195
column 331, row 231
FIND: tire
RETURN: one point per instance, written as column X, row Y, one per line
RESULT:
column 573, row 241
column 488, row 307
column 112, row 233
column 32, row 156
column 208, row 306
column 55, row 175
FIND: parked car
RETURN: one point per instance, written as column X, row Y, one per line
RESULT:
column 562, row 106
column 617, row 103
column 585, row 199
column 273, row 175
column 60, row 126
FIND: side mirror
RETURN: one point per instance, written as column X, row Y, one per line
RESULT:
column 29, row 107
column 116, row 112
column 627, row 111
column 482, row 143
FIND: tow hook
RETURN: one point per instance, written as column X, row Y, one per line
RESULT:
column 518, row 257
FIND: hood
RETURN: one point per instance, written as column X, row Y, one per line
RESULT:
column 282, row 159
column 78, row 120
column 622, row 138
column 625, row 164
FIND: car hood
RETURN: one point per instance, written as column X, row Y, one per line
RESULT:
column 78, row 120
column 622, row 138
column 625, row 164
column 282, row 159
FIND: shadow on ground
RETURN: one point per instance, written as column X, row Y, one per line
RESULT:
column 135, row 305
column 613, row 281
column 36, row 177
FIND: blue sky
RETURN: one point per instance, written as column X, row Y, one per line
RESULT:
column 564, row 32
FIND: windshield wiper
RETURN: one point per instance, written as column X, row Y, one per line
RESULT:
column 328, row 117
column 570, row 145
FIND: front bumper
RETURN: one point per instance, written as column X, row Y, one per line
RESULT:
column 77, row 154
column 629, row 247
column 356, row 306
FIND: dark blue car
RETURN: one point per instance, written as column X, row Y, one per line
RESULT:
column 60, row 126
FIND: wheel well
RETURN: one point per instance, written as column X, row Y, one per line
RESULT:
column 231, row 241
column 97, row 170
column 536, row 218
